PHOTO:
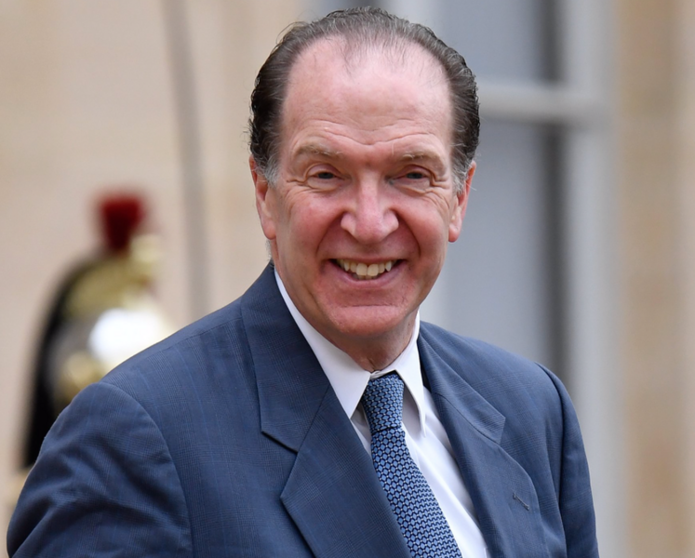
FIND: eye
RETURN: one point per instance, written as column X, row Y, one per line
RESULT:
column 413, row 176
column 324, row 177
column 413, row 179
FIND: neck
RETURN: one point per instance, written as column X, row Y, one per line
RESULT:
column 376, row 353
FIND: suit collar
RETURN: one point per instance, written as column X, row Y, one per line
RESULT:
column 290, row 382
column 332, row 492
column 447, row 385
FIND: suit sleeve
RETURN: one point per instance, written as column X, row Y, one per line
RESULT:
column 104, row 485
column 576, row 502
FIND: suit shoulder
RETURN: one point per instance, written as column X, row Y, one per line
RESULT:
column 204, row 351
column 454, row 348
column 499, row 375
column 214, row 323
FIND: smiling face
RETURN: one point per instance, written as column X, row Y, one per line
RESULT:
column 365, row 201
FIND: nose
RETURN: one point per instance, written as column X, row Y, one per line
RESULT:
column 370, row 217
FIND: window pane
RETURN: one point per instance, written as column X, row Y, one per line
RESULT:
column 502, row 39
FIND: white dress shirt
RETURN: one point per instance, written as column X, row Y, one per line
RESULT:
column 425, row 436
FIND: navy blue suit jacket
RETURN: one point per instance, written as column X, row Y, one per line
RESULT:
column 228, row 440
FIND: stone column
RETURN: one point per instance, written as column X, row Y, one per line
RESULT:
column 656, row 164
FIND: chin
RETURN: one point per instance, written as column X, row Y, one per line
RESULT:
column 371, row 322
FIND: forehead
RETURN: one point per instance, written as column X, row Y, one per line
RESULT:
column 369, row 88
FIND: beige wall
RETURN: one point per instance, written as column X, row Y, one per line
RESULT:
column 656, row 161
column 86, row 101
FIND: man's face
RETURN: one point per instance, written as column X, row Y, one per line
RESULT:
column 365, row 201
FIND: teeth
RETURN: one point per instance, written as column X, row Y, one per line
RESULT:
column 365, row 271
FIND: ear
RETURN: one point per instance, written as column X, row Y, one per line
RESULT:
column 460, row 209
column 265, row 200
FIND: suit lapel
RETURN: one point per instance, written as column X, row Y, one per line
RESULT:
column 332, row 493
column 502, row 492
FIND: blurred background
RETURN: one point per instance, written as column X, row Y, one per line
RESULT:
column 578, row 248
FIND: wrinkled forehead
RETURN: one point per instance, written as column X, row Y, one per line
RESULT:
column 361, row 53
column 367, row 84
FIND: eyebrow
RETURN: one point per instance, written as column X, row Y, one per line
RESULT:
column 424, row 155
column 418, row 156
column 316, row 149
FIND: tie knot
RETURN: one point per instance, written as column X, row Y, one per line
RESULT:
column 383, row 402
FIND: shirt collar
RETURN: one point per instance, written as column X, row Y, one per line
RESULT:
column 347, row 378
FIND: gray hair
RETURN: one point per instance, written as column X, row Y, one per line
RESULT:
column 360, row 27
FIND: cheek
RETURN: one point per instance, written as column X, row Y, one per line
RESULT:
column 304, row 226
column 288, row 216
column 313, row 214
column 430, row 224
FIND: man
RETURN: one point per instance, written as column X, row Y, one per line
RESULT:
column 249, row 433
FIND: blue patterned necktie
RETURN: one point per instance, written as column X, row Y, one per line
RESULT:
column 419, row 516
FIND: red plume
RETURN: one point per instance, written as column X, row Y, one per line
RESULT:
column 121, row 215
